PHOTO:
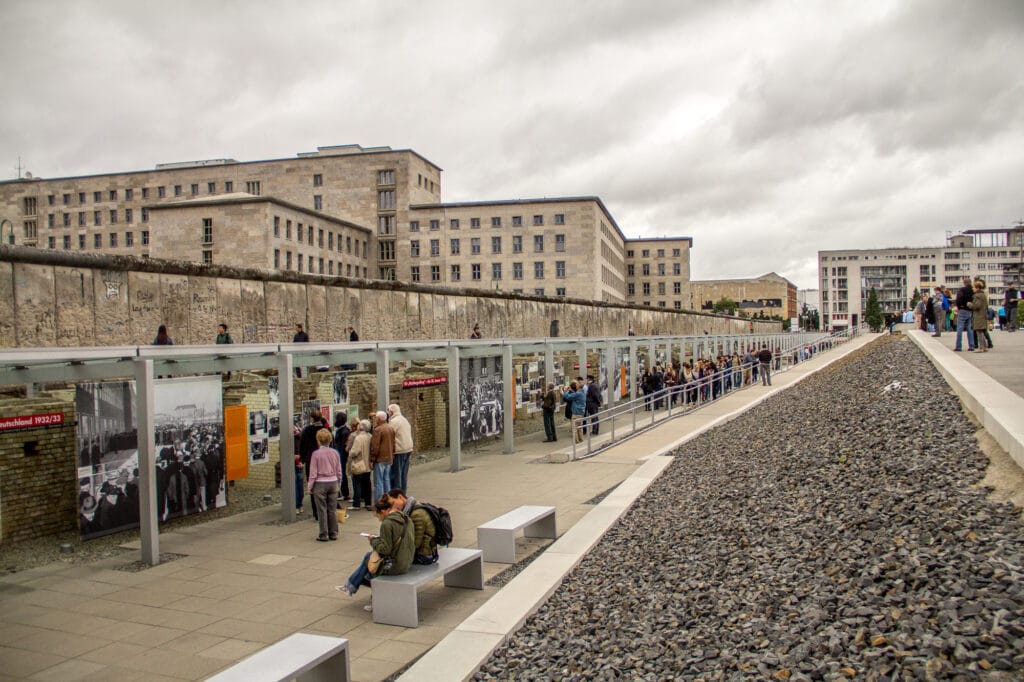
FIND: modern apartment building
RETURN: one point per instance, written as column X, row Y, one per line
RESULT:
column 848, row 276
column 348, row 211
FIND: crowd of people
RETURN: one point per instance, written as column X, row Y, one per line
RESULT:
column 189, row 468
column 968, row 312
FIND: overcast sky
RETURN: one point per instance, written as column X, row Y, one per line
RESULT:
column 764, row 130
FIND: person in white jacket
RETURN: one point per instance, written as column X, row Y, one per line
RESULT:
column 403, row 448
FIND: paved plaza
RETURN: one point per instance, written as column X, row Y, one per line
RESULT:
column 246, row 581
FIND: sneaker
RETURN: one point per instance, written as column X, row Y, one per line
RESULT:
column 345, row 589
column 322, row 538
column 368, row 607
column 354, row 507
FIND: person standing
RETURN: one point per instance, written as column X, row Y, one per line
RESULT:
column 382, row 453
column 576, row 396
column 1010, row 305
column 341, row 438
column 938, row 300
column 964, row 316
column 300, row 337
column 593, row 405
column 359, row 466
column 352, row 335
column 308, row 443
column 979, row 320
column 764, row 361
column 476, row 332
column 548, row 407
column 162, row 339
column 224, row 337
column 324, row 474
column 403, row 448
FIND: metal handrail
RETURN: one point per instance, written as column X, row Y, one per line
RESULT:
column 703, row 389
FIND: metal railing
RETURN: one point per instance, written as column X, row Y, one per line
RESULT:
column 621, row 421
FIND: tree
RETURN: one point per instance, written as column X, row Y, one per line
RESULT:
column 873, row 312
column 915, row 299
column 726, row 305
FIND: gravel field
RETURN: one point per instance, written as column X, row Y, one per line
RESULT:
column 837, row 531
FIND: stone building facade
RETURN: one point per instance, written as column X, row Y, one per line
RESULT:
column 384, row 204
column 658, row 272
column 770, row 294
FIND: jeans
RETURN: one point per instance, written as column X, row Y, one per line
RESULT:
column 591, row 420
column 400, row 471
column 325, row 497
column 963, row 324
column 549, row 425
column 361, row 576
column 766, row 373
column 381, row 478
column 1011, row 318
column 300, row 487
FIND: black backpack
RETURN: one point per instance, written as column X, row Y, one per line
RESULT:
column 442, row 522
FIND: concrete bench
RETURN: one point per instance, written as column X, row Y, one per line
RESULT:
column 497, row 538
column 395, row 600
column 305, row 657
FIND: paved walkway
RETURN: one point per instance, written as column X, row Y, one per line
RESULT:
column 1004, row 363
column 247, row 581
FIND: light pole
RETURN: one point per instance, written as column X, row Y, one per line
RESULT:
column 3, row 222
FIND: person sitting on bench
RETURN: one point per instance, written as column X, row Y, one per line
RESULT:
column 426, row 546
column 393, row 549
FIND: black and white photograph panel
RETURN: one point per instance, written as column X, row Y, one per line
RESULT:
column 341, row 388
column 481, row 414
column 307, row 408
column 275, row 395
column 108, row 458
column 275, row 426
column 257, row 450
column 190, row 468
column 258, row 423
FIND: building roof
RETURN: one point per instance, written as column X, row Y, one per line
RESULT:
column 768, row 275
column 240, row 198
column 321, row 153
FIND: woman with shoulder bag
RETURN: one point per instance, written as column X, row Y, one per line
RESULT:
column 359, row 466
column 392, row 549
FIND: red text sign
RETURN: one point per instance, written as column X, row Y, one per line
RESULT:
column 32, row 421
column 429, row 381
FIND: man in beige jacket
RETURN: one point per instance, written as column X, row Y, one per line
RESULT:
column 403, row 448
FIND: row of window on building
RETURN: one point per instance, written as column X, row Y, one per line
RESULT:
column 645, row 269
column 114, row 240
column 113, row 217
column 455, row 246
column 30, row 204
column 646, row 253
column 474, row 223
column 288, row 261
column 645, row 288
column 307, row 232
column 497, row 271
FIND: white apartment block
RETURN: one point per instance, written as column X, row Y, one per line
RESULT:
column 847, row 276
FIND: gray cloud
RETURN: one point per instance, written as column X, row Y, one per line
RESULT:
column 766, row 131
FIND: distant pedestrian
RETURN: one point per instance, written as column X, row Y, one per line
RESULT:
column 352, row 335
column 1010, row 305
column 222, row 334
column 162, row 339
column 593, row 405
column 548, row 407
column 476, row 332
column 359, row 466
column 938, row 301
column 979, row 320
column 964, row 316
column 576, row 397
column 764, row 361
column 300, row 337
column 630, row 332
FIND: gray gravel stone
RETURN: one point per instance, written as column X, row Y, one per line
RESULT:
column 835, row 531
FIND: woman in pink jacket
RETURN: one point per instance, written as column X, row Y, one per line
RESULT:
column 324, row 477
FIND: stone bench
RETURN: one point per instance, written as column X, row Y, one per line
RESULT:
column 497, row 538
column 304, row 657
column 395, row 600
